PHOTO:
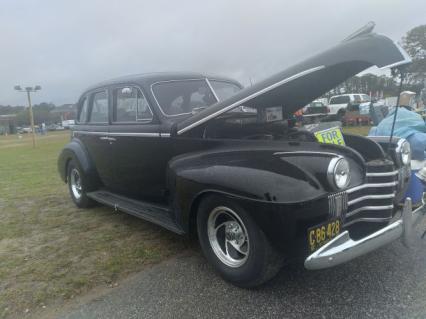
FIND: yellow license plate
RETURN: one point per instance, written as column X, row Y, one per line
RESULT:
column 321, row 234
column 330, row 136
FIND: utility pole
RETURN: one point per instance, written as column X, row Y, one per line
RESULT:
column 28, row 90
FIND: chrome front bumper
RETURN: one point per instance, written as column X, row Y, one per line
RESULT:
column 342, row 248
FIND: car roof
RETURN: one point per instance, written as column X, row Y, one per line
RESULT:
column 147, row 79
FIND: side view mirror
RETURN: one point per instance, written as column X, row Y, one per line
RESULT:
column 126, row 92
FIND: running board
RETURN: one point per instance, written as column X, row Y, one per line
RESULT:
column 157, row 214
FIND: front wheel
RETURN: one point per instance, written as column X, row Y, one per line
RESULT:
column 233, row 243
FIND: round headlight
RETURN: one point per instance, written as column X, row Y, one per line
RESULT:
column 405, row 153
column 339, row 173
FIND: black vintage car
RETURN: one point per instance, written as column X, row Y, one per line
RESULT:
column 200, row 154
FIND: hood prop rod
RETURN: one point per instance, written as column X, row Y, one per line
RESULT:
column 396, row 107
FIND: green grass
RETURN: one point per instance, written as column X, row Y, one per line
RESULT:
column 360, row 130
column 51, row 251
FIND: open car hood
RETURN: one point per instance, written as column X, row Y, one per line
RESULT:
column 302, row 83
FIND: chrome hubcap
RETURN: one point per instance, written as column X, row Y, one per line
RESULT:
column 228, row 237
column 75, row 181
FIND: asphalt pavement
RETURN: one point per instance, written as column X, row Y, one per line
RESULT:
column 388, row 283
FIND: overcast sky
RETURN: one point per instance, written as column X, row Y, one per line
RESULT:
column 66, row 46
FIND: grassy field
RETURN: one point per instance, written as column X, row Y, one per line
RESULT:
column 50, row 251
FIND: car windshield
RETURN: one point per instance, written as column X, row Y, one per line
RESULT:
column 190, row 96
column 224, row 89
column 183, row 97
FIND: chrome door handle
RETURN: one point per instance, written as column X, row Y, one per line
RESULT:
column 107, row 138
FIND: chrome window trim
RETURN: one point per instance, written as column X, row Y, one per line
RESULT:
column 360, row 209
column 137, row 87
column 117, row 134
column 180, row 80
column 362, row 198
column 383, row 174
column 80, row 103
column 239, row 102
column 211, row 88
column 368, row 185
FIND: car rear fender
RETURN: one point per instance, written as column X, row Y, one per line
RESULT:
column 76, row 151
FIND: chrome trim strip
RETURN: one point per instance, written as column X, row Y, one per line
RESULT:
column 89, row 133
column 351, row 213
column 357, row 188
column 238, row 103
column 360, row 199
column 134, row 134
column 383, row 174
column 368, row 219
column 307, row 153
column 211, row 88
column 118, row 134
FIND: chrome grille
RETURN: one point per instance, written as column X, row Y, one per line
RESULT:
column 369, row 202
column 338, row 204
column 374, row 200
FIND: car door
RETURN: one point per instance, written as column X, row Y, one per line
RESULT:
column 139, row 154
column 93, row 132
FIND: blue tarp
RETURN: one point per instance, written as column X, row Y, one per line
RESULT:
column 408, row 125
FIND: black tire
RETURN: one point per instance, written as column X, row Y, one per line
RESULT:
column 80, row 200
column 262, row 261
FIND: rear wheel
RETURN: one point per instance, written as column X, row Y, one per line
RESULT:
column 234, row 244
column 78, row 186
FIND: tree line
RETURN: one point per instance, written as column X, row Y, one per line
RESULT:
column 47, row 113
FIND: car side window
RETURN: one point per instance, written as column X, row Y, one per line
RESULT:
column 130, row 105
column 357, row 98
column 82, row 117
column 99, row 112
column 339, row 99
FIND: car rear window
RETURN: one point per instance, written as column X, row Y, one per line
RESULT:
column 183, row 96
column 99, row 108
column 340, row 99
